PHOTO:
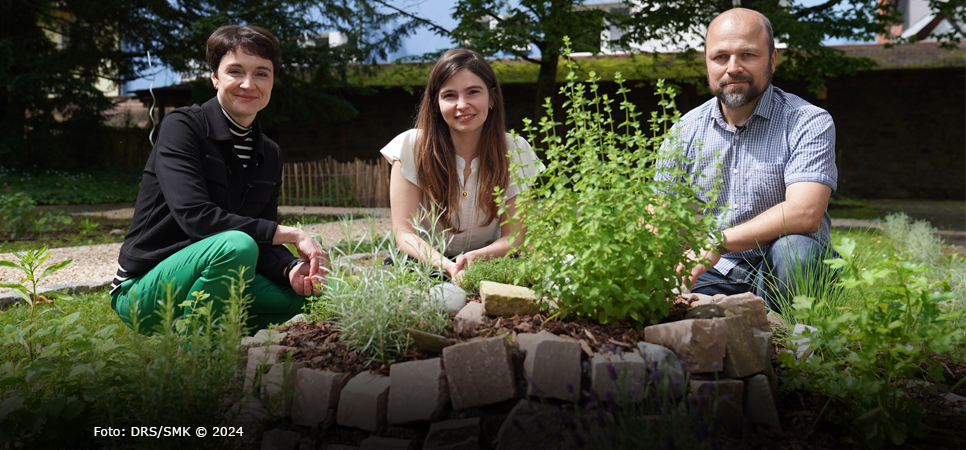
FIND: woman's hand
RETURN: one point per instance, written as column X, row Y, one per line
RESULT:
column 303, row 283
column 316, row 260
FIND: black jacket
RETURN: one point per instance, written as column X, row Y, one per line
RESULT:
column 194, row 186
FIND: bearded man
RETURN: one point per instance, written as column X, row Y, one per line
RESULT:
column 770, row 157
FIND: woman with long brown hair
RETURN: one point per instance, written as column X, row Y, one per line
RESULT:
column 454, row 158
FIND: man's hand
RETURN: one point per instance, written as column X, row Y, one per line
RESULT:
column 710, row 255
column 303, row 283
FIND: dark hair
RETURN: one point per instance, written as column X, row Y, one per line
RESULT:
column 252, row 39
column 436, row 163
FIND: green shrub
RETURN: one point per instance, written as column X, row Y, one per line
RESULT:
column 863, row 353
column 53, row 187
column 16, row 214
column 585, row 214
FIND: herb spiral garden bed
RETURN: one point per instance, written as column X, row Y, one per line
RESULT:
column 803, row 416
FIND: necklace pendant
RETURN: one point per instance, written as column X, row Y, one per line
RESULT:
column 464, row 194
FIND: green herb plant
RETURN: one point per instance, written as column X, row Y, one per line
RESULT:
column 863, row 356
column 610, row 219
column 506, row 270
column 374, row 307
column 16, row 214
column 29, row 263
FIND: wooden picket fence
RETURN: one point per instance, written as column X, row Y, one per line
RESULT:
column 327, row 182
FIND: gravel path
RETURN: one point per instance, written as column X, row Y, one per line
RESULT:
column 91, row 262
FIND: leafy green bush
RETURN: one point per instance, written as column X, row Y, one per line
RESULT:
column 609, row 232
column 506, row 270
column 863, row 354
column 16, row 213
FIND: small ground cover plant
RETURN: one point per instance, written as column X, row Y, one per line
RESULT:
column 609, row 232
column 518, row 271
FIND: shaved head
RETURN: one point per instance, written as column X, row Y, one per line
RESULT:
column 739, row 15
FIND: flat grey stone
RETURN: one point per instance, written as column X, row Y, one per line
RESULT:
column 551, row 365
column 479, row 372
column 461, row 434
column 428, row 342
column 698, row 343
column 278, row 388
column 419, row 391
column 662, row 359
column 759, row 402
column 316, row 396
column 743, row 354
column 259, row 358
column 448, row 296
column 629, row 370
column 363, row 402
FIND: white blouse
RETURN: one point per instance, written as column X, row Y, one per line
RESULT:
column 476, row 234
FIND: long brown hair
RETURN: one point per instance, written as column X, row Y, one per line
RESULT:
column 436, row 161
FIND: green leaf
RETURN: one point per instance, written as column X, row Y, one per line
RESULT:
column 54, row 268
column 10, row 404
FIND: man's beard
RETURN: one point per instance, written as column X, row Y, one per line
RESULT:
column 734, row 97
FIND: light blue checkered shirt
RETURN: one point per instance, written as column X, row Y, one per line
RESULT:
column 786, row 140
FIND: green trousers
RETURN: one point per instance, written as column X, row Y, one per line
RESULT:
column 206, row 266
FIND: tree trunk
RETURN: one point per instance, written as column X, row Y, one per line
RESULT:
column 546, row 83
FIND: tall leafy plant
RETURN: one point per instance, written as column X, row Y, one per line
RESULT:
column 862, row 356
column 609, row 226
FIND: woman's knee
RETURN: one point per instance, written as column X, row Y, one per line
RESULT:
column 240, row 245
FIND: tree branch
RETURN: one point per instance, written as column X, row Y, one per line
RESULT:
column 428, row 23
column 817, row 8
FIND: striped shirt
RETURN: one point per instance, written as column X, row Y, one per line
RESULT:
column 786, row 140
column 243, row 140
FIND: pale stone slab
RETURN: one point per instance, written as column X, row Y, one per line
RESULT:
column 531, row 425
column 419, row 391
column 448, row 296
column 507, row 300
column 280, row 440
column 742, row 355
column 698, row 343
column 551, row 365
column 755, row 305
column 278, row 388
column 763, row 341
column 472, row 315
column 316, row 396
column 381, row 443
column 759, row 402
column 730, row 396
column 461, row 434
column 363, row 401
column 479, row 372
column 663, row 360
column 262, row 356
column 621, row 374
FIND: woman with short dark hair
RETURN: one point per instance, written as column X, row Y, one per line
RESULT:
column 454, row 158
column 208, row 202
